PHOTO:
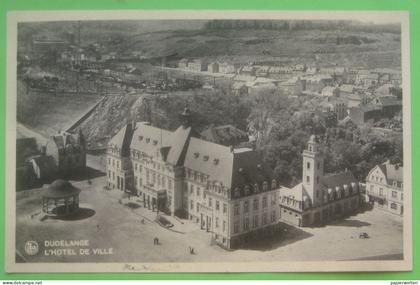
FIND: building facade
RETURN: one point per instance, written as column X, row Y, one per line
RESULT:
column 384, row 187
column 227, row 191
column 68, row 151
column 320, row 198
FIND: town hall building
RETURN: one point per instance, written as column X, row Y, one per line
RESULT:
column 227, row 191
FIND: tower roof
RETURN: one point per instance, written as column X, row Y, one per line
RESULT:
column 313, row 139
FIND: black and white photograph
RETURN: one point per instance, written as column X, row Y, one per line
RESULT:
column 208, row 142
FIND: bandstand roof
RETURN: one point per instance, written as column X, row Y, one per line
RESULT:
column 60, row 189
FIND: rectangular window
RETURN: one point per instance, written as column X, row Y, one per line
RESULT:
column 153, row 178
column 236, row 210
column 210, row 202
column 147, row 175
column 393, row 206
column 135, row 181
column 217, row 205
column 170, row 183
column 273, row 199
column 224, row 226
column 255, row 222
column 256, row 202
column 246, row 224
column 198, row 191
column 307, row 179
column 264, row 202
column 224, row 208
column 394, row 194
column 198, row 207
column 109, row 174
column 191, row 189
column 236, row 227
column 273, row 216
column 109, row 161
column 135, row 166
column 191, row 204
column 163, row 182
column 264, row 219
column 141, row 168
column 308, row 165
column 217, row 223
column 381, row 192
column 118, row 164
column 246, row 206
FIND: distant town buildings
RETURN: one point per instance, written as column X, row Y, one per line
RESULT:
column 319, row 198
column 384, row 187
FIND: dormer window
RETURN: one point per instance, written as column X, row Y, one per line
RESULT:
column 155, row 142
column 147, row 140
column 265, row 186
column 273, row 184
column 206, row 158
column 256, row 188
column 247, row 190
column 140, row 138
column 237, row 192
column 216, row 161
column 196, row 154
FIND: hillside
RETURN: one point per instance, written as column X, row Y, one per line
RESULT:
column 354, row 45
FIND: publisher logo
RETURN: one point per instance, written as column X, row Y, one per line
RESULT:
column 31, row 247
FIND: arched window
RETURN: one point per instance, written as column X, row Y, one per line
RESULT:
column 237, row 192
column 273, row 184
column 265, row 186
column 247, row 190
column 256, row 188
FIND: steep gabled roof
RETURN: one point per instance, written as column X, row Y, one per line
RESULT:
column 149, row 139
column 118, row 139
column 212, row 159
column 231, row 167
column 178, row 142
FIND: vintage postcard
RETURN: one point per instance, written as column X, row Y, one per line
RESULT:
column 205, row 141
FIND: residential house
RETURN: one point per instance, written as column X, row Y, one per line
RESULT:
column 213, row 67
column 384, row 187
column 364, row 114
column 330, row 91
